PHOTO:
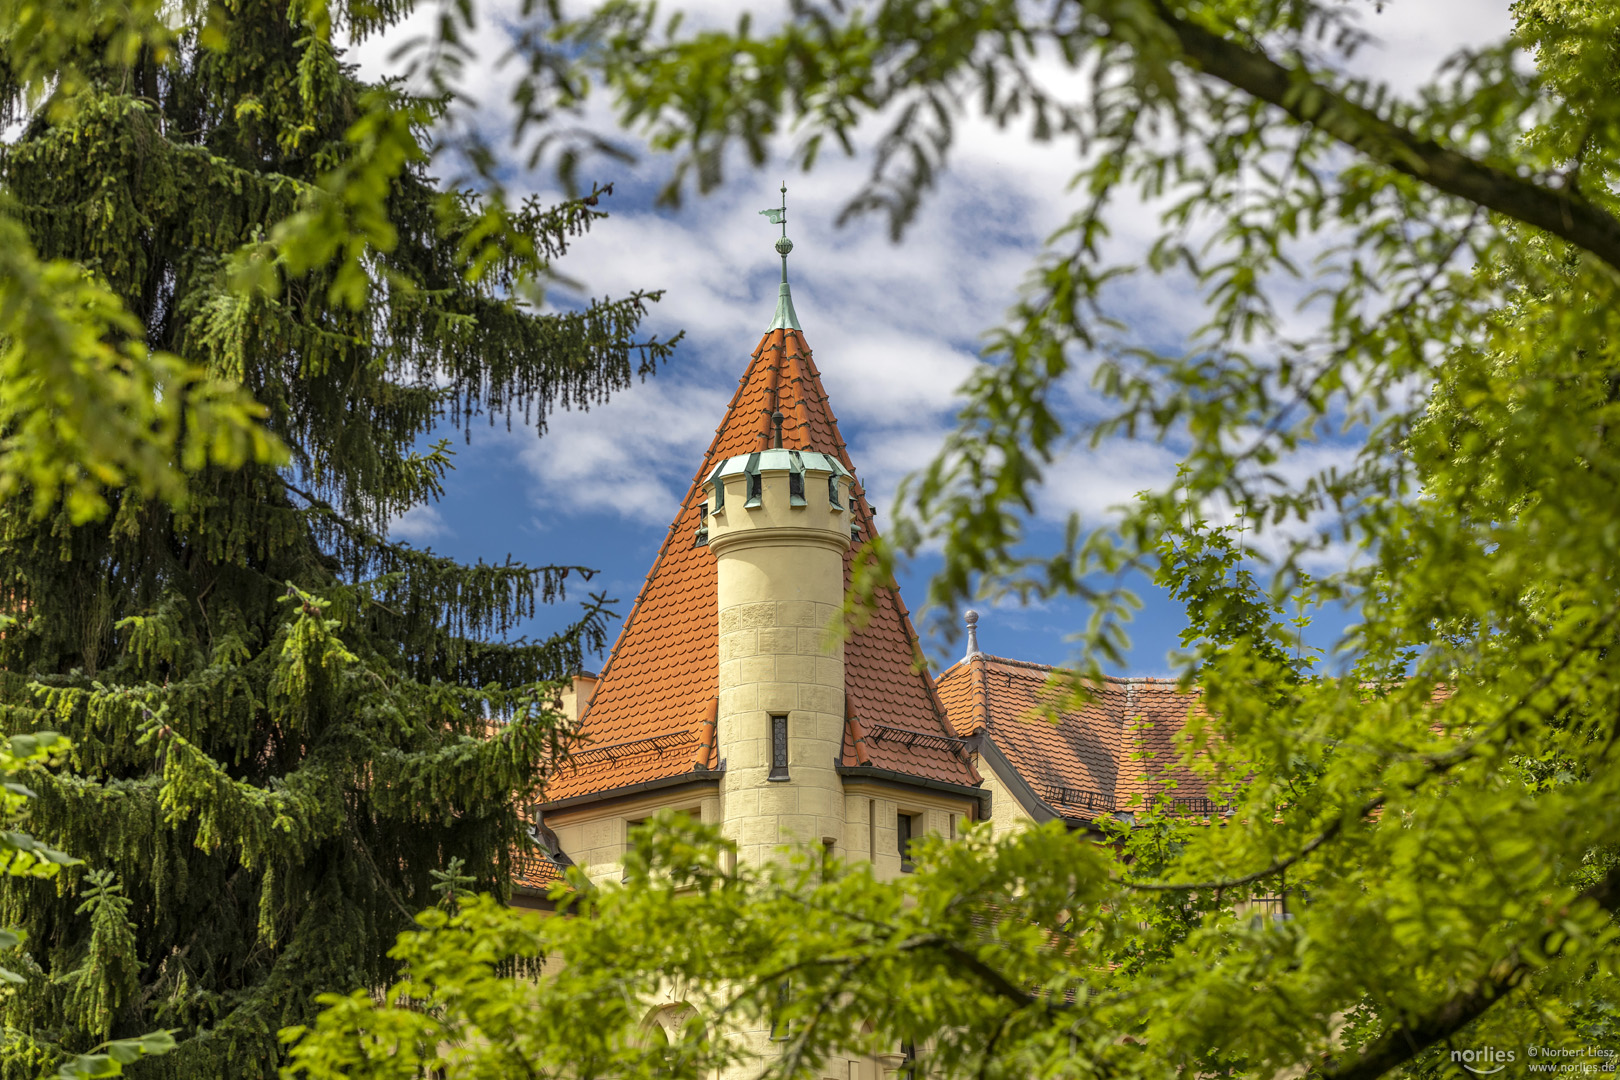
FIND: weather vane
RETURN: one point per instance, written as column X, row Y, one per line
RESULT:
column 778, row 216
column 786, row 317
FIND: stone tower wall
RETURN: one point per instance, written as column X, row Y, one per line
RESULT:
column 780, row 573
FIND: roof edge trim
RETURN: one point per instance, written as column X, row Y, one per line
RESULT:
column 1039, row 809
column 693, row 778
column 874, row 772
column 1018, row 787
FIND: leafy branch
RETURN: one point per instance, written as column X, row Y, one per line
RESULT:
column 1561, row 211
column 1406, row 1039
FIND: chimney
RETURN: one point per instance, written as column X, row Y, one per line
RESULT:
column 577, row 698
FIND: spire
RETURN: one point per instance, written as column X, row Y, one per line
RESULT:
column 786, row 318
column 972, row 620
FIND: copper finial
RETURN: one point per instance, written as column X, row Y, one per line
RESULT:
column 786, row 317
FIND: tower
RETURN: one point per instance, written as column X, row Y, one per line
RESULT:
column 726, row 697
column 778, row 522
column 778, row 525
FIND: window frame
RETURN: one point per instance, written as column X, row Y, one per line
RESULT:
column 779, row 746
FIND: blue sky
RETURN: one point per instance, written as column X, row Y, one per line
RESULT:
column 895, row 330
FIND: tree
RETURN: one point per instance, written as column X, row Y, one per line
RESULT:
column 1437, row 799
column 85, row 403
column 22, row 757
column 278, row 714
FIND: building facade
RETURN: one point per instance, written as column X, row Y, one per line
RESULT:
column 732, row 695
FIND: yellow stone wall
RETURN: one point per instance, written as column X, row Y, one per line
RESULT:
column 871, row 814
column 1006, row 815
column 596, row 835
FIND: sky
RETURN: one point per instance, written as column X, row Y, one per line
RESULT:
column 895, row 329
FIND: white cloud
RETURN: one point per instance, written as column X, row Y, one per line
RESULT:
column 895, row 328
column 420, row 524
column 1097, row 483
column 632, row 457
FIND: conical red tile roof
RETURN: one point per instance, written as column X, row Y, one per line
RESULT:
column 652, row 716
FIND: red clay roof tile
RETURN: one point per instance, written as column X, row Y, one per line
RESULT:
column 1102, row 755
column 535, row 870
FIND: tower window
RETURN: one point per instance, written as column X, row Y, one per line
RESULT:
column 756, row 485
column 703, row 526
column 903, row 826
column 779, row 1027
column 630, row 827
column 832, row 493
column 796, row 489
column 779, row 748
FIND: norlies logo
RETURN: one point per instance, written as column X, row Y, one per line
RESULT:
column 1484, row 1061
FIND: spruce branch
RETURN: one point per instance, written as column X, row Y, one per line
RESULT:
column 223, row 735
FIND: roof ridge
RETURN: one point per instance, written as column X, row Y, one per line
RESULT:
column 708, row 736
column 982, row 690
column 773, row 387
column 801, row 414
column 1121, row 680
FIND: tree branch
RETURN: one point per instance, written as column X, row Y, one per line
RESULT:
column 1563, row 213
column 1333, row 829
column 994, row 979
column 1406, row 1040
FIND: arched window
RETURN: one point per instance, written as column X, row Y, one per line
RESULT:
column 867, row 1059
column 669, row 1024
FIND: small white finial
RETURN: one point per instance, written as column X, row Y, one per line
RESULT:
column 971, row 617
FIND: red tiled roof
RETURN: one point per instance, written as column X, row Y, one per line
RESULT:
column 1099, row 756
column 652, row 716
column 535, row 870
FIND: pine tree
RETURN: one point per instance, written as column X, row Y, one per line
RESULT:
column 280, row 717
